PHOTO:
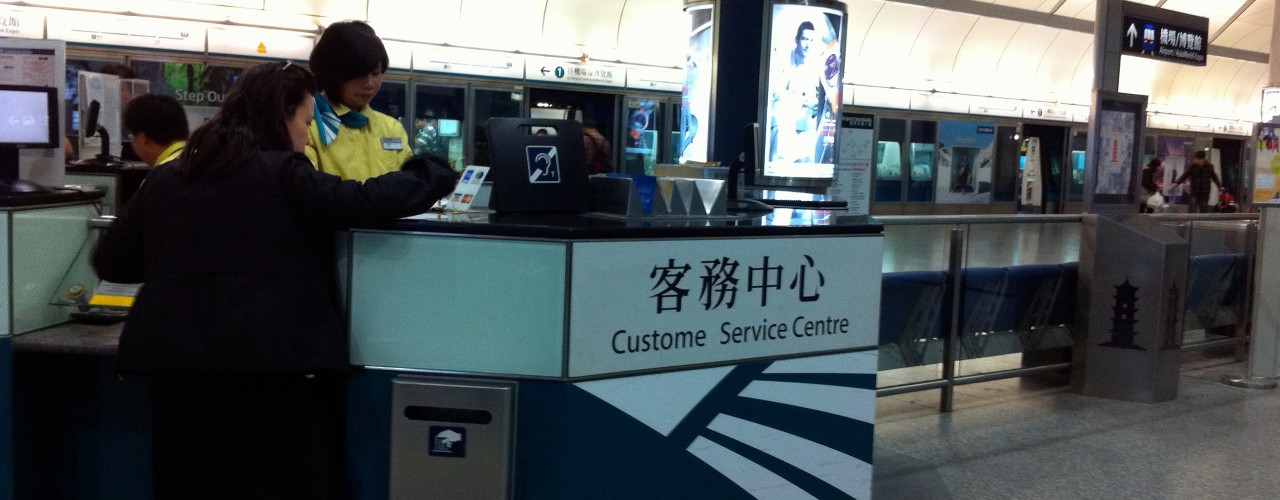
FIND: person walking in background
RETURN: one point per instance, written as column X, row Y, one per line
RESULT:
column 158, row 126
column 599, row 152
column 348, row 138
column 238, row 328
column 1199, row 174
column 1149, row 187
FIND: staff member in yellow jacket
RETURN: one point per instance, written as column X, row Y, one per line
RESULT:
column 159, row 127
column 348, row 138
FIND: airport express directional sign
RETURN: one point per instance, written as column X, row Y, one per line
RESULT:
column 1164, row 35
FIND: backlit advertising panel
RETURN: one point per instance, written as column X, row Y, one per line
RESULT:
column 802, row 100
column 695, row 97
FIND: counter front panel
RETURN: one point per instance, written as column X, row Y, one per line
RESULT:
column 457, row 304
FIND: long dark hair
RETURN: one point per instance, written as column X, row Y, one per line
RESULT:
column 254, row 117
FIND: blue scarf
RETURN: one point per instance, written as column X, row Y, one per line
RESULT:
column 327, row 120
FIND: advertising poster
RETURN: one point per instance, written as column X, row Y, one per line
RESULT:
column 804, row 83
column 1032, row 189
column 853, row 168
column 695, row 97
column 200, row 88
column 1114, row 161
column 965, row 155
column 1267, row 167
column 1172, row 152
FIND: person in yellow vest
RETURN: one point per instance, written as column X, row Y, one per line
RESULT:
column 348, row 138
column 158, row 126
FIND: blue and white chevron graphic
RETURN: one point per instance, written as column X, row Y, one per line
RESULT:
column 799, row 428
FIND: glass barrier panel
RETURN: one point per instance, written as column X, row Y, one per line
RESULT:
column 1218, row 260
column 1017, row 295
column 916, row 247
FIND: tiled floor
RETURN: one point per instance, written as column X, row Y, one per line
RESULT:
column 1034, row 439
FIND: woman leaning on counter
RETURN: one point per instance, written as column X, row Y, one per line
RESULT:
column 348, row 138
column 237, row 326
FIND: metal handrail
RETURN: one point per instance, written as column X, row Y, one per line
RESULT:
column 102, row 222
column 918, row 220
column 949, row 379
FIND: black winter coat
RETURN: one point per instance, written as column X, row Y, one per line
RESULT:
column 239, row 271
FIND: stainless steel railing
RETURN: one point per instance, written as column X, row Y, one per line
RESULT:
column 954, row 242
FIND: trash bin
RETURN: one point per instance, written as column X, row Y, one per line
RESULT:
column 451, row 438
column 1133, row 283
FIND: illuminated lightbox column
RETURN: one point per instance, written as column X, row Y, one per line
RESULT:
column 785, row 75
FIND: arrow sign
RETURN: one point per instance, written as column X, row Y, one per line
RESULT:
column 544, row 71
column 1131, row 33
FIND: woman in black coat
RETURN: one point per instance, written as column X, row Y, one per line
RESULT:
column 238, row 326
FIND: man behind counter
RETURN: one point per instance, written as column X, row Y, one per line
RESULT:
column 159, row 127
column 348, row 138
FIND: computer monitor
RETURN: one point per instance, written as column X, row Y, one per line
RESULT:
column 448, row 128
column 28, row 120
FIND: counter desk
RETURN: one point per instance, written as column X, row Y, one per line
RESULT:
column 546, row 357
column 45, row 273
column 582, row 356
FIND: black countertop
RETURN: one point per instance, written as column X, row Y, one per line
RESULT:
column 782, row 222
column 58, row 195
column 97, row 168
column 71, row 338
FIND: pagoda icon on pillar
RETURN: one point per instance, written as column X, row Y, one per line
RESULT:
column 1124, row 317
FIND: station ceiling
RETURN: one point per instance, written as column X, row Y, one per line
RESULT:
column 1043, row 50
column 1037, row 50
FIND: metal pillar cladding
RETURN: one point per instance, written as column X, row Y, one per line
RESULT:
column 1263, row 367
column 1116, row 122
column 451, row 438
column 1274, row 66
column 1107, row 33
column 1133, row 281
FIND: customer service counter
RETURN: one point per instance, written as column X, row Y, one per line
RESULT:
column 45, row 274
column 539, row 357
column 569, row 357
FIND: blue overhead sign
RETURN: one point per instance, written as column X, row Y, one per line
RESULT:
column 1164, row 35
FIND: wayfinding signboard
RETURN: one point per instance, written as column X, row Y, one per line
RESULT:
column 1164, row 35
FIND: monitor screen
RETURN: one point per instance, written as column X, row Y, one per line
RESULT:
column 802, row 100
column 28, row 116
column 447, row 128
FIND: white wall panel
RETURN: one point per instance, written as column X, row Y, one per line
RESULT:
column 1247, row 37
column 333, row 9
column 501, row 24
column 1080, row 91
column 653, row 32
column 1036, row 5
column 592, row 23
column 934, row 52
column 1015, row 74
column 1057, row 68
column 432, row 21
column 888, row 43
column 1079, row 9
column 862, row 13
column 980, row 52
